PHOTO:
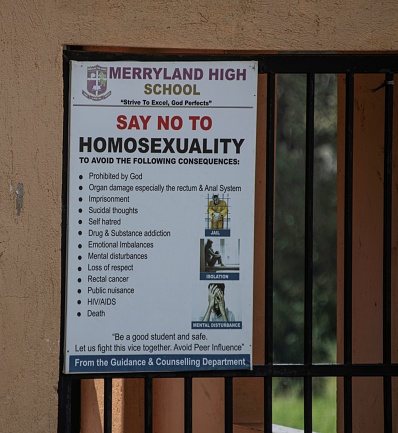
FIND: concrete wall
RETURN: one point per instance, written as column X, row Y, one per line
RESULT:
column 32, row 35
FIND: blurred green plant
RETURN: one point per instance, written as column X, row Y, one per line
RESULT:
column 288, row 407
column 290, row 218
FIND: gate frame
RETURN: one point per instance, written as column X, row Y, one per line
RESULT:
column 270, row 64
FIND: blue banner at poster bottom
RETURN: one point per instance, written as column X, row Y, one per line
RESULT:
column 153, row 363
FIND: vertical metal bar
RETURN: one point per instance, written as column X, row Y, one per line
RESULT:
column 387, row 227
column 64, row 404
column 69, row 404
column 148, row 404
column 228, row 411
column 348, row 206
column 309, row 242
column 108, row 405
column 269, row 248
column 188, row 404
column 69, row 392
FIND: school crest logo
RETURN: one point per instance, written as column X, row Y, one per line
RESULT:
column 97, row 83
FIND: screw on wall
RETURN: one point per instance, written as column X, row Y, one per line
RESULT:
column 19, row 200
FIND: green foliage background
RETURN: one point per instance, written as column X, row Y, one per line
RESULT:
column 288, row 409
column 289, row 220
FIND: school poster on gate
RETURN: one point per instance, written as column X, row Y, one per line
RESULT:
column 160, row 216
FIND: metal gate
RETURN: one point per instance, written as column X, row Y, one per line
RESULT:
column 350, row 66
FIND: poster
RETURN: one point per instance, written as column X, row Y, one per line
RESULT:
column 160, row 224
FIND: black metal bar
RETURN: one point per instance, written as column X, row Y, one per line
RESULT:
column 317, row 63
column 309, row 243
column 387, row 227
column 68, row 387
column 107, row 405
column 148, row 404
column 69, row 405
column 348, row 212
column 228, row 398
column 325, row 370
column 269, row 248
column 387, row 391
column 266, row 370
column 326, row 63
column 188, row 405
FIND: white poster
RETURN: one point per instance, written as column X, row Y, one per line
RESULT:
column 160, row 216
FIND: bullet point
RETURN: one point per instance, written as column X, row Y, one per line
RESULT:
column 79, row 291
column 80, row 257
column 80, row 221
column 79, row 302
column 80, row 245
column 80, row 177
column 80, row 187
column 79, row 314
column 80, row 199
column 80, row 233
column 79, row 280
column 79, row 269
column 80, row 210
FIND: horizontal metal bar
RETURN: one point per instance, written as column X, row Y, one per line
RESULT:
column 276, row 63
column 329, row 63
column 273, row 370
column 327, row 370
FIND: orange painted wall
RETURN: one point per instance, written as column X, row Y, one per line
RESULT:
column 367, row 239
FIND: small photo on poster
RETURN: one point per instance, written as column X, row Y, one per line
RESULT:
column 217, row 306
column 218, row 214
column 219, row 259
